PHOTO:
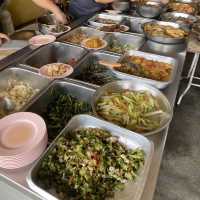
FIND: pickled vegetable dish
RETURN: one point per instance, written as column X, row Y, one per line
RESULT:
column 89, row 163
column 131, row 109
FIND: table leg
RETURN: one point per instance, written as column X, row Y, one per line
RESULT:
column 194, row 66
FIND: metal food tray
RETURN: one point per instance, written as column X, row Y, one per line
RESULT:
column 65, row 86
column 27, row 75
column 165, row 39
column 53, row 53
column 136, row 24
column 133, row 190
column 117, row 18
column 123, row 38
column 13, row 191
column 87, row 30
column 154, row 57
column 172, row 17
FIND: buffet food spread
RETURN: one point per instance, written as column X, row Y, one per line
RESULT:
column 105, row 91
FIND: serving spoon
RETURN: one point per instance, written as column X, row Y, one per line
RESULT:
column 6, row 104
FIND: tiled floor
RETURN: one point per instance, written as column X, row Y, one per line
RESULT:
column 180, row 171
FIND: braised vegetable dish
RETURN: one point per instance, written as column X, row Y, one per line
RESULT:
column 114, row 28
column 146, row 68
column 60, row 110
column 157, row 30
column 77, row 37
column 89, row 164
column 133, row 110
column 182, row 7
column 105, row 21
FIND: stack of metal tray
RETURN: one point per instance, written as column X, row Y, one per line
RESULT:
column 133, row 190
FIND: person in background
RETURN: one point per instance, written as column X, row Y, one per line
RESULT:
column 77, row 8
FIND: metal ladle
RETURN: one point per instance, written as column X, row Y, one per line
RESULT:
column 6, row 104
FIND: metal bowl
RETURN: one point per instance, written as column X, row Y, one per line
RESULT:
column 163, row 39
column 173, row 17
column 150, row 9
column 121, row 5
column 119, row 86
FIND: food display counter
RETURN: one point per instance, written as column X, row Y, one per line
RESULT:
column 63, row 50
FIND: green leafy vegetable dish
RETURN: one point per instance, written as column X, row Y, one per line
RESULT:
column 89, row 163
column 60, row 110
column 138, row 111
column 96, row 74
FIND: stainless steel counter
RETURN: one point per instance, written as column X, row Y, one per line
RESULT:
column 176, row 51
column 159, row 139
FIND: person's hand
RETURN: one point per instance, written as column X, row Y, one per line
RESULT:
column 61, row 17
column 3, row 37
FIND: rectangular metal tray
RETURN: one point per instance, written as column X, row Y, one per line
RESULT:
column 134, row 41
column 155, row 57
column 65, row 86
column 87, row 30
column 117, row 18
column 33, row 78
column 136, row 23
column 54, row 52
column 13, row 191
column 133, row 190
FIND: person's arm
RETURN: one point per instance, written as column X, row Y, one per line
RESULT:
column 52, row 7
column 3, row 37
column 104, row 1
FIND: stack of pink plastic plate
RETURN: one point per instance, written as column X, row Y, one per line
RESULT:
column 23, row 138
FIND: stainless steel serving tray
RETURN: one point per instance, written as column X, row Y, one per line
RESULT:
column 27, row 75
column 54, row 52
column 166, row 40
column 116, row 18
column 65, row 86
column 134, row 41
column 87, row 30
column 13, row 191
column 154, row 57
column 136, row 24
column 172, row 17
column 133, row 190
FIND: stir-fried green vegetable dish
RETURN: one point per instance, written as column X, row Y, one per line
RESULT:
column 89, row 163
column 96, row 74
column 133, row 110
column 60, row 110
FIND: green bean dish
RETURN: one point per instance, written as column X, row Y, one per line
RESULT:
column 138, row 111
column 89, row 164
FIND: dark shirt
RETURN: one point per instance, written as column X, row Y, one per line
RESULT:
column 79, row 8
